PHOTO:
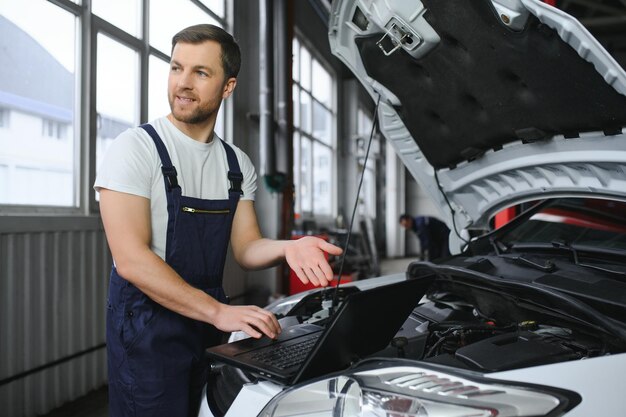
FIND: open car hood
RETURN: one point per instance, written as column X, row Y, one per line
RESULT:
column 489, row 103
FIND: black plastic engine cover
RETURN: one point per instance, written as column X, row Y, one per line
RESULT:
column 513, row 350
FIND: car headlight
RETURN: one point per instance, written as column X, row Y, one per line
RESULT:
column 410, row 391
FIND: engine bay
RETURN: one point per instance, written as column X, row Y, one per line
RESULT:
column 449, row 330
column 457, row 334
column 467, row 321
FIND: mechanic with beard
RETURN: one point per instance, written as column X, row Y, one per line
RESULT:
column 172, row 195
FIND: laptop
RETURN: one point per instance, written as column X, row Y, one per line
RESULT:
column 364, row 324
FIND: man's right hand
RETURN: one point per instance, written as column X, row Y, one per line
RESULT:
column 252, row 320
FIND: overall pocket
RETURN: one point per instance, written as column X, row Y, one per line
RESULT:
column 203, row 211
column 140, row 314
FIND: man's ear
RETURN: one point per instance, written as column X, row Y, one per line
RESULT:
column 229, row 87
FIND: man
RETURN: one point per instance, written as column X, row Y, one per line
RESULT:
column 432, row 234
column 172, row 195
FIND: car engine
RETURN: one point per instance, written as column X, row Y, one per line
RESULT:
column 457, row 334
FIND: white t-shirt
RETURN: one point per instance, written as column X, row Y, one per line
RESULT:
column 132, row 165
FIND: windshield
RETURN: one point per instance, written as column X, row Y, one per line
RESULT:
column 576, row 221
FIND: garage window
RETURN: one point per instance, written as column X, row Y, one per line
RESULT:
column 364, row 129
column 64, row 98
column 314, row 133
column 38, row 121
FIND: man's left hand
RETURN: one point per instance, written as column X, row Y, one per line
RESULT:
column 306, row 258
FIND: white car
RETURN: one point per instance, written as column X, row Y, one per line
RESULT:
column 490, row 104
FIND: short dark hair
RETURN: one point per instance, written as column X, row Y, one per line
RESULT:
column 231, row 55
column 404, row 216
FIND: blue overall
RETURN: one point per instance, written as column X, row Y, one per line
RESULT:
column 156, row 360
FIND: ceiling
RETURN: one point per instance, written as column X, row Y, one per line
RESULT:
column 605, row 19
column 597, row 15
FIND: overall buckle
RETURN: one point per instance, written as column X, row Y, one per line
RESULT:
column 235, row 178
column 170, row 175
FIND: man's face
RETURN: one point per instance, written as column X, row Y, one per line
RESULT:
column 197, row 84
column 406, row 223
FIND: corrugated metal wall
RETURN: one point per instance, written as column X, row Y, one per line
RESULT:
column 53, row 286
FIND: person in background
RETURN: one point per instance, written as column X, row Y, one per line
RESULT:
column 432, row 233
column 173, row 195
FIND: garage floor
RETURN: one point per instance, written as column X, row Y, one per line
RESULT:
column 95, row 404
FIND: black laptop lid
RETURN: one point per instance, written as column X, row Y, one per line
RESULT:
column 364, row 324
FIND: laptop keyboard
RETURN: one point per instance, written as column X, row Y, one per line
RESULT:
column 286, row 355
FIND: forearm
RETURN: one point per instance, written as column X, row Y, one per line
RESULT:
column 150, row 274
column 261, row 253
column 306, row 256
column 162, row 284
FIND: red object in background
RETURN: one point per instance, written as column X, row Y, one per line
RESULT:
column 504, row 216
column 574, row 218
column 296, row 286
column 550, row 2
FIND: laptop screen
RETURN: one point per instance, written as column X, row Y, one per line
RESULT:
column 364, row 324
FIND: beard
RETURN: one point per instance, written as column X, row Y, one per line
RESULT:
column 199, row 114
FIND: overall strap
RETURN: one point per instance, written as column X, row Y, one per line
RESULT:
column 172, row 189
column 169, row 171
column 234, row 173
